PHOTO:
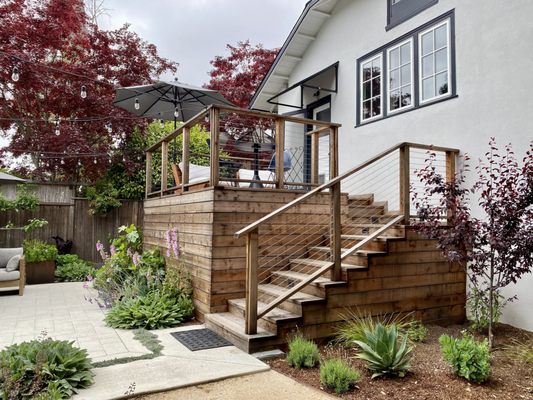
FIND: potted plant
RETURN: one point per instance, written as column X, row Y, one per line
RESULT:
column 40, row 261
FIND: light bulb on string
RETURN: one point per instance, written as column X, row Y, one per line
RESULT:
column 57, row 132
column 137, row 104
column 176, row 113
column 62, row 162
column 94, row 161
column 15, row 75
column 109, row 128
column 83, row 92
column 162, row 123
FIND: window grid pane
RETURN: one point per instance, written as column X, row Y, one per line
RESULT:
column 434, row 62
column 371, row 88
column 400, row 81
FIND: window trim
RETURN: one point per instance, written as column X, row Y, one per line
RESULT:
column 449, row 15
column 393, row 23
column 360, row 85
column 446, row 22
column 412, row 71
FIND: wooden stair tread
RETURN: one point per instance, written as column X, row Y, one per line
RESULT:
column 235, row 324
column 358, row 252
column 299, row 276
column 274, row 315
column 362, row 237
column 320, row 263
column 275, row 290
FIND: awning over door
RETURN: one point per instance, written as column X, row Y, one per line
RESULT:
column 309, row 89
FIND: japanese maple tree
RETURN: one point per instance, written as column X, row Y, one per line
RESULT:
column 238, row 75
column 59, row 109
column 496, row 248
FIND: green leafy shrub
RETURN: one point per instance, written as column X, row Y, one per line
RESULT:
column 43, row 369
column 303, row 353
column 337, row 375
column 102, row 198
column 416, row 331
column 38, row 251
column 71, row 268
column 469, row 359
column 152, row 311
column 357, row 324
column 386, row 352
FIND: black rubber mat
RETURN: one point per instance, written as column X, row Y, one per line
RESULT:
column 200, row 339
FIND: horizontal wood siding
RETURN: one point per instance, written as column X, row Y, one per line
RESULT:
column 192, row 215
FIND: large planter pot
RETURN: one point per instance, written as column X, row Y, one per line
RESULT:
column 40, row 272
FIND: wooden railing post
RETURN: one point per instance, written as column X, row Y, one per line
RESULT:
column 164, row 167
column 148, row 186
column 214, row 122
column 336, row 230
column 314, row 158
column 450, row 177
column 280, row 156
column 185, row 152
column 405, row 193
column 333, row 152
column 251, row 282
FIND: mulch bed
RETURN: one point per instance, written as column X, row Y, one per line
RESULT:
column 430, row 376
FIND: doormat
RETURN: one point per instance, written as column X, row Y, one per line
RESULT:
column 200, row 339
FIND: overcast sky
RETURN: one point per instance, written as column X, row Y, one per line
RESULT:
column 192, row 32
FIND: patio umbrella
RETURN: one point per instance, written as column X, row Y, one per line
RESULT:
column 169, row 101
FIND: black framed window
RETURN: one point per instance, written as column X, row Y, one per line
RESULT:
column 399, row 11
column 413, row 71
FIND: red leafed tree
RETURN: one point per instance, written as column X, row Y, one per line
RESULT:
column 42, row 39
column 238, row 75
column 497, row 248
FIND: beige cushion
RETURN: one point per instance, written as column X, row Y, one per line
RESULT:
column 8, row 276
column 6, row 254
column 197, row 173
column 13, row 263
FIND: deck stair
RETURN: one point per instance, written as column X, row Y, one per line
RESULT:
column 289, row 315
column 344, row 244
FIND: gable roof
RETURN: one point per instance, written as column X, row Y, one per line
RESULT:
column 314, row 15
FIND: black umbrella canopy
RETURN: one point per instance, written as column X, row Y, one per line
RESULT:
column 170, row 101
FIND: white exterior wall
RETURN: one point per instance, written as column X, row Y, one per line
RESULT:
column 494, row 74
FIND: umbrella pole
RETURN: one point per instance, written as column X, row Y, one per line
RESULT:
column 174, row 155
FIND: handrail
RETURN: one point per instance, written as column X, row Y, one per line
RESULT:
column 334, row 181
column 281, row 298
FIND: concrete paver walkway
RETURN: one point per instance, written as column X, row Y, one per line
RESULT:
column 61, row 311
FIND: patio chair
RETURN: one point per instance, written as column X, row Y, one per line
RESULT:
column 12, row 269
column 199, row 175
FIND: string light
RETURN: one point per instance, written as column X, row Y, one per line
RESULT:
column 176, row 112
column 137, row 103
column 83, row 92
column 162, row 123
column 109, row 128
column 62, row 162
column 15, row 76
column 56, row 130
column 94, row 161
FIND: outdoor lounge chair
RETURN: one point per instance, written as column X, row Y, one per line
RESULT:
column 12, row 269
column 199, row 175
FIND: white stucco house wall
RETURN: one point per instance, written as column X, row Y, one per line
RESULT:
column 444, row 72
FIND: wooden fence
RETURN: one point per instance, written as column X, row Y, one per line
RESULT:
column 71, row 220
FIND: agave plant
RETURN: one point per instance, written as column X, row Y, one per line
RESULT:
column 386, row 352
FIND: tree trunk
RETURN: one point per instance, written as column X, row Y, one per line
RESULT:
column 491, row 297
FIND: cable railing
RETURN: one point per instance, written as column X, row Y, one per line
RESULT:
column 333, row 226
column 245, row 149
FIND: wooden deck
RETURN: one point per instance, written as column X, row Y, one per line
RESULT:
column 267, row 260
